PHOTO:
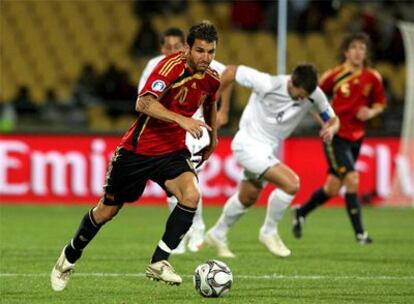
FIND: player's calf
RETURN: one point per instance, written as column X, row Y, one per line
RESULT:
column 297, row 222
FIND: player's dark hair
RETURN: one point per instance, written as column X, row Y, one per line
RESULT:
column 203, row 31
column 349, row 39
column 305, row 76
column 173, row 31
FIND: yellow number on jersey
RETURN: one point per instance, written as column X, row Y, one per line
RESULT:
column 182, row 94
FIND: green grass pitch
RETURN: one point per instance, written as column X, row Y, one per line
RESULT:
column 327, row 265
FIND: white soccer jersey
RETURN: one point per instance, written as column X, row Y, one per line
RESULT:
column 271, row 114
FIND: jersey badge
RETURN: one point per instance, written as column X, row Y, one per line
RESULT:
column 158, row 86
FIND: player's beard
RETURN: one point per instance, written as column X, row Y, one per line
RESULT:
column 200, row 67
column 203, row 66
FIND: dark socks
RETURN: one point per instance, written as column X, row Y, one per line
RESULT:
column 86, row 232
column 319, row 197
column 354, row 211
column 178, row 223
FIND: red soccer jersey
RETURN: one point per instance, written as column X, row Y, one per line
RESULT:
column 179, row 90
column 350, row 91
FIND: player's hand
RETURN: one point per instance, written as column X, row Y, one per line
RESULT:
column 222, row 119
column 327, row 133
column 364, row 113
column 206, row 152
column 193, row 126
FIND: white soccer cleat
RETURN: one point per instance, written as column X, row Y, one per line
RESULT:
column 163, row 271
column 61, row 272
column 222, row 247
column 274, row 243
column 195, row 240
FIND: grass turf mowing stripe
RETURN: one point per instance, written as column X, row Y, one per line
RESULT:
column 249, row 277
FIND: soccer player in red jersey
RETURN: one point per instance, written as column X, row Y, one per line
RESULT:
column 154, row 149
column 357, row 96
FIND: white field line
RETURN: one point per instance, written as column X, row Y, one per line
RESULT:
column 247, row 277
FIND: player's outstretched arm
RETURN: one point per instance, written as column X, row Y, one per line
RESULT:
column 149, row 105
column 226, row 86
column 227, row 78
column 223, row 112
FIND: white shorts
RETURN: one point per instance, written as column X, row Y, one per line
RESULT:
column 254, row 156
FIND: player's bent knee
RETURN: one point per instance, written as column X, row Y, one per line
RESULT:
column 331, row 191
column 351, row 181
column 191, row 198
column 103, row 214
column 332, row 186
column 293, row 186
column 249, row 198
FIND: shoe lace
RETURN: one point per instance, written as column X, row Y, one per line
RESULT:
column 168, row 267
column 66, row 274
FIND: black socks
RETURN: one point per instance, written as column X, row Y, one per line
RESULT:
column 354, row 211
column 319, row 197
column 86, row 232
column 178, row 223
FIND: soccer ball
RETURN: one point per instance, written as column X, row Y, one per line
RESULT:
column 212, row 279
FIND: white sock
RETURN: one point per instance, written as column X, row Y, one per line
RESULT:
column 172, row 202
column 232, row 211
column 198, row 222
column 277, row 205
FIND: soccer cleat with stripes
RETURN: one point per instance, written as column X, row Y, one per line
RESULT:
column 61, row 272
column 163, row 271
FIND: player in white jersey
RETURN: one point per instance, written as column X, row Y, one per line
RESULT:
column 276, row 106
column 172, row 41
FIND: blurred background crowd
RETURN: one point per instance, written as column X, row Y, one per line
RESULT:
column 73, row 66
